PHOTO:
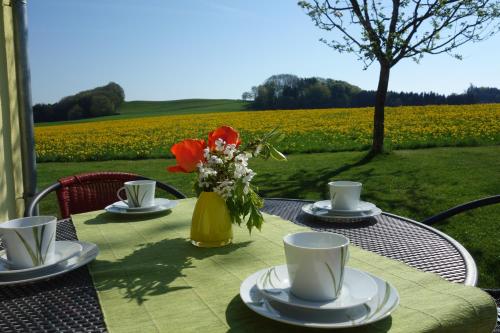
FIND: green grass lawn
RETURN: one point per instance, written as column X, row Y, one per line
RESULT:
column 140, row 109
column 412, row 183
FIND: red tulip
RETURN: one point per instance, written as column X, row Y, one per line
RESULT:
column 226, row 133
column 188, row 154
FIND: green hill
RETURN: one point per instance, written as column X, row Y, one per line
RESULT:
column 182, row 106
column 139, row 109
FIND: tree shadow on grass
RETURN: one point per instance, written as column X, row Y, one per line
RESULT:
column 153, row 268
column 304, row 181
column 312, row 183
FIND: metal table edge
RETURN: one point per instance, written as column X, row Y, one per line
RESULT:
column 470, row 265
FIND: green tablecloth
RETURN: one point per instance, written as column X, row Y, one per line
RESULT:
column 150, row 278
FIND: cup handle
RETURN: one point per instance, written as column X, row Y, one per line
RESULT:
column 119, row 196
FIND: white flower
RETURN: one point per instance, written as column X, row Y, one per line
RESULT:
column 229, row 151
column 239, row 171
column 225, row 188
column 206, row 153
column 206, row 172
column 223, row 169
column 215, row 160
column 249, row 176
column 219, row 144
column 242, row 159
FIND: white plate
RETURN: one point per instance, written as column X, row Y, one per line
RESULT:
column 379, row 307
column 358, row 288
column 161, row 205
column 89, row 252
column 363, row 207
column 328, row 216
column 63, row 251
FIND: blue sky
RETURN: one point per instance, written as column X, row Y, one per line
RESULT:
column 165, row 49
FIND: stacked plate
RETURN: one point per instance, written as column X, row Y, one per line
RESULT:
column 364, row 299
column 69, row 255
column 323, row 210
column 160, row 205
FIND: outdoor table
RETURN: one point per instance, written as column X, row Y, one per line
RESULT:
column 69, row 302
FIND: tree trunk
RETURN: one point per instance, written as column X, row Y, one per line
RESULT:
column 378, row 117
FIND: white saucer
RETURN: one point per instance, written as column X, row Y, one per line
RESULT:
column 161, row 205
column 63, row 251
column 88, row 253
column 329, row 216
column 358, row 288
column 124, row 205
column 379, row 307
column 363, row 207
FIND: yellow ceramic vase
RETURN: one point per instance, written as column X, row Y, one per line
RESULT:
column 211, row 224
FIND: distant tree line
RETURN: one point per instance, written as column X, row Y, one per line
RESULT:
column 97, row 102
column 286, row 91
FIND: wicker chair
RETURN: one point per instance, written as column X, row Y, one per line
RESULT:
column 91, row 191
column 495, row 293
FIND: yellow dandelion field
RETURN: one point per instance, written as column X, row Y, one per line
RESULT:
column 306, row 131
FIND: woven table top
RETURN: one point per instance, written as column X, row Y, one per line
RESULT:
column 393, row 237
column 69, row 303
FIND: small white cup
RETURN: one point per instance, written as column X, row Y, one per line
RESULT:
column 344, row 195
column 140, row 193
column 315, row 263
column 29, row 241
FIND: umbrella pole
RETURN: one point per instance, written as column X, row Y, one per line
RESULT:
column 19, row 11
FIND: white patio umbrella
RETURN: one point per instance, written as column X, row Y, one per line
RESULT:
column 17, row 155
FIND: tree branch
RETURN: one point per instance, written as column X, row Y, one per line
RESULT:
column 372, row 36
column 408, row 29
column 392, row 28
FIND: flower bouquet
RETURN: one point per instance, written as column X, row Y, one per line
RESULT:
column 226, row 195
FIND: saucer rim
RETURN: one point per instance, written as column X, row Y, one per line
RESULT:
column 311, row 305
column 158, row 202
column 167, row 205
column 344, row 211
column 88, row 253
column 251, row 304
column 41, row 267
column 306, row 209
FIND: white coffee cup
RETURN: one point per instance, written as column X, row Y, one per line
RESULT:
column 344, row 195
column 29, row 241
column 315, row 263
column 140, row 193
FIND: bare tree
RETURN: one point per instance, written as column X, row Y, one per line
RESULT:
column 389, row 31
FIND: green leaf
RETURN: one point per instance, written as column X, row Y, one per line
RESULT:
column 276, row 154
column 278, row 138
